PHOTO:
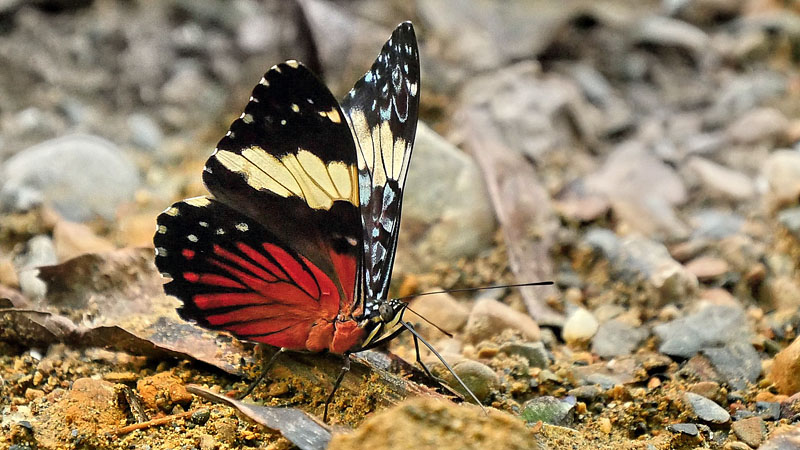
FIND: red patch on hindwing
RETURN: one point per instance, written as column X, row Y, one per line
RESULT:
column 249, row 283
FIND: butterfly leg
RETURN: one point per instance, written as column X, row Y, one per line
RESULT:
column 264, row 371
column 345, row 369
column 422, row 364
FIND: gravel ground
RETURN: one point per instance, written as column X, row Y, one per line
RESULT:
column 642, row 155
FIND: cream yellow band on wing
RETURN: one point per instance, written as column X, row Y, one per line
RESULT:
column 302, row 174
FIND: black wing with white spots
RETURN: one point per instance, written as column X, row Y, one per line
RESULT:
column 382, row 110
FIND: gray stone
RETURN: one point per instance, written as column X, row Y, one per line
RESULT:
column 535, row 352
column 712, row 326
column 669, row 32
column 688, row 429
column 535, row 113
column 737, row 362
column 642, row 190
column 790, row 219
column 447, row 214
column 636, row 259
column 744, row 93
column 80, row 176
column 706, row 410
column 258, row 33
column 528, row 27
column 721, row 181
column 586, row 394
column 145, row 132
column 549, row 410
column 768, row 410
column 603, row 380
column 478, row 377
column 714, row 224
column 704, row 12
column 617, row 338
column 757, row 126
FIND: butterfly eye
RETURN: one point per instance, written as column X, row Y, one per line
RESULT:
column 386, row 311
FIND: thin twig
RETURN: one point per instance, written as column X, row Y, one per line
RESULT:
column 152, row 423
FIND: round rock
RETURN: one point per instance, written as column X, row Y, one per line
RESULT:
column 81, row 176
column 479, row 378
column 580, row 326
column 489, row 318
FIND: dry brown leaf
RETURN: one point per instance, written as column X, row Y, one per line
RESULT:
column 523, row 209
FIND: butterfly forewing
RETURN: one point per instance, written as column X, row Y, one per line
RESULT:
column 289, row 163
column 382, row 110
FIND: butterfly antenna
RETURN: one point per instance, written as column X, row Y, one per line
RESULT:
column 441, row 330
column 500, row 286
column 450, row 369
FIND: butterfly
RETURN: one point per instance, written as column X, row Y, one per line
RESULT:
column 295, row 245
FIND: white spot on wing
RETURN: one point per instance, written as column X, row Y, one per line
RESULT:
column 242, row 226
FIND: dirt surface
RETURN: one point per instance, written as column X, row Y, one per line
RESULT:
column 642, row 155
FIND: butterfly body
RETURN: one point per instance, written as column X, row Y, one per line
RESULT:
column 295, row 245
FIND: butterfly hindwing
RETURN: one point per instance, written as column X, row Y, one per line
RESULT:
column 382, row 110
column 233, row 274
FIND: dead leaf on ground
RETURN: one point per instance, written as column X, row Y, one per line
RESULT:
column 115, row 300
column 523, row 209
column 302, row 429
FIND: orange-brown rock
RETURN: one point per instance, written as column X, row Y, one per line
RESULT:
column 163, row 391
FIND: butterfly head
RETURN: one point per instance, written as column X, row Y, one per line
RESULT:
column 383, row 320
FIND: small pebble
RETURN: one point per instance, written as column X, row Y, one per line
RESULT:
column 751, row 431
column 588, row 393
column 200, row 417
column 479, row 378
column 535, row 352
column 689, row 429
column 785, row 370
column 706, row 409
column 708, row 389
column 489, row 318
column 207, row 442
column 549, row 410
column 768, row 410
column 579, row 327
